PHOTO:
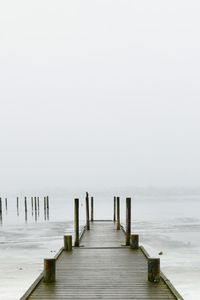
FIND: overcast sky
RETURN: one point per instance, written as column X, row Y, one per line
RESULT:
column 99, row 93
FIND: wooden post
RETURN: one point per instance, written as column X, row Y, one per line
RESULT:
column 32, row 204
column 87, row 212
column 76, row 222
column 35, row 202
column 38, row 203
column 118, row 213
column 25, row 205
column 67, row 242
column 128, row 221
column 114, row 216
column 6, row 203
column 92, row 209
column 49, row 270
column 154, row 270
column 0, row 206
column 134, row 241
column 17, row 206
column 47, row 207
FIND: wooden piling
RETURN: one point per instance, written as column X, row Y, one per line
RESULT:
column 114, row 210
column 76, row 222
column 25, row 205
column 128, row 221
column 35, row 203
column 92, row 209
column 49, row 270
column 6, row 203
column 87, row 211
column 134, row 241
column 118, row 213
column 154, row 270
column 32, row 203
column 0, row 206
column 17, row 206
column 67, row 242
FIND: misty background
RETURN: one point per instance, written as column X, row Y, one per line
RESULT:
column 99, row 94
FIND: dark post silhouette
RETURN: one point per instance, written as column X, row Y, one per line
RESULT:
column 92, row 209
column 87, row 211
column 128, row 221
column 114, row 217
column 76, row 222
column 49, row 270
column 118, row 213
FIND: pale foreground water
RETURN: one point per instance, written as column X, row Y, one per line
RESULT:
column 170, row 224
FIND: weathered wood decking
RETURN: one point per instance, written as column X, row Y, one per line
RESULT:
column 101, row 268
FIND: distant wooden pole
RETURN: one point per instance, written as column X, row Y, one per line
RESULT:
column 118, row 213
column 114, row 216
column 47, row 207
column 35, row 202
column 87, row 212
column 67, row 242
column 32, row 203
column 47, row 198
column 0, row 206
column 38, row 203
column 154, row 270
column 25, row 205
column 6, row 203
column 134, row 241
column 128, row 221
column 17, row 206
column 76, row 222
column 49, row 270
column 92, row 209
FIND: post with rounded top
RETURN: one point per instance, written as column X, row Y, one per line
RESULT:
column 67, row 242
column 128, row 221
column 49, row 270
column 154, row 269
column 114, row 215
column 92, row 209
column 118, row 213
column 76, row 222
column 134, row 241
column 87, row 211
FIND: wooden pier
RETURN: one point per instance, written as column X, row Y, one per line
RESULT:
column 102, row 267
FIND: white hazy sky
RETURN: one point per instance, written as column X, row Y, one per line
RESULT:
column 99, row 93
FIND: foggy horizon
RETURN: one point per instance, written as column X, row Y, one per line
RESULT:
column 99, row 94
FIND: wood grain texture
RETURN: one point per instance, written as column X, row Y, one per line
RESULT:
column 102, row 269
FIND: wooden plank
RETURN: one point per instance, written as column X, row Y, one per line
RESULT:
column 102, row 269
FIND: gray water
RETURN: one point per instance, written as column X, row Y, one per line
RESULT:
column 170, row 224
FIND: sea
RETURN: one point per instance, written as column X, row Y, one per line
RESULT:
column 169, row 224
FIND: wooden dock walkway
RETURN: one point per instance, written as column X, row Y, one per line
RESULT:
column 102, row 268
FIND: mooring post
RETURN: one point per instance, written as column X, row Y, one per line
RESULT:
column 128, row 221
column 134, row 241
column 67, row 242
column 17, row 206
column 76, row 222
column 32, row 203
column 92, row 209
column 154, row 270
column 87, row 211
column 6, row 203
column 49, row 270
column 35, row 202
column 25, row 205
column 0, row 206
column 114, row 211
column 118, row 213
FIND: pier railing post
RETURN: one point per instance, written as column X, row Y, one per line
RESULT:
column 118, row 213
column 114, row 212
column 87, row 212
column 128, row 221
column 154, row 269
column 67, row 242
column 134, row 241
column 49, row 270
column 76, row 222
column 92, row 209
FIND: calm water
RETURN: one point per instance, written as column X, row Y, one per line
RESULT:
column 169, row 224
